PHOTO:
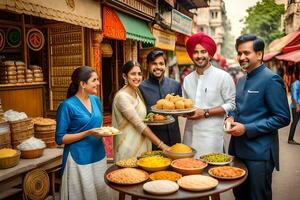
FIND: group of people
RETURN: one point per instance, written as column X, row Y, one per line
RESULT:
column 255, row 109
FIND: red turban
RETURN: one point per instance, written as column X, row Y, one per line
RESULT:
column 204, row 40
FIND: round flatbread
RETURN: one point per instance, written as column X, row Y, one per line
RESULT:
column 197, row 182
column 160, row 187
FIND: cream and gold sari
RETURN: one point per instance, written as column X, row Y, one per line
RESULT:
column 127, row 115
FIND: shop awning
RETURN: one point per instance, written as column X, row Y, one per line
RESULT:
column 182, row 56
column 136, row 29
column 84, row 13
column 269, row 56
column 293, row 56
column 112, row 25
column 288, row 40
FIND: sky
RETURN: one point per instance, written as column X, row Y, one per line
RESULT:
column 236, row 10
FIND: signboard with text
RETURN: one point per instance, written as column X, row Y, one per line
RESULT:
column 181, row 23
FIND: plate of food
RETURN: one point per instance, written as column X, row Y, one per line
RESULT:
column 226, row 172
column 165, row 175
column 158, row 119
column 127, row 176
column 106, row 131
column 217, row 158
column 174, row 111
column 174, row 105
column 161, row 187
column 130, row 162
column 197, row 182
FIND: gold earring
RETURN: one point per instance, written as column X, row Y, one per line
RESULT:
column 126, row 81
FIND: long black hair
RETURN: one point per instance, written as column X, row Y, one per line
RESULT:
column 82, row 73
column 129, row 65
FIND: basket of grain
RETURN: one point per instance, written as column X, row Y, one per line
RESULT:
column 9, row 158
column 32, row 148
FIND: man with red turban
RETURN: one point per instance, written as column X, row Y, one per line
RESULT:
column 213, row 92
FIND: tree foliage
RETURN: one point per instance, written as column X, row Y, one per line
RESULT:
column 263, row 20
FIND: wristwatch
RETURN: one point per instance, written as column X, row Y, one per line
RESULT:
column 206, row 113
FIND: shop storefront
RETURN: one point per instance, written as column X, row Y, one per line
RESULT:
column 42, row 44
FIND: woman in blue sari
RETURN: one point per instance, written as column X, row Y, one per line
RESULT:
column 84, row 161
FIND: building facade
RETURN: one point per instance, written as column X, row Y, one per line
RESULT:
column 211, row 20
column 292, row 16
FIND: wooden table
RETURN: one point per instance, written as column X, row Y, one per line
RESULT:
column 11, row 178
column 136, row 191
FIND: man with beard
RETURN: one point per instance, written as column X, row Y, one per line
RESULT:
column 213, row 92
column 157, row 87
column 262, row 108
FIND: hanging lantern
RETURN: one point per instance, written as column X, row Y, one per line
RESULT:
column 107, row 50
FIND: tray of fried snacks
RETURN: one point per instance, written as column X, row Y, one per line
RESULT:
column 173, row 105
column 106, row 131
column 158, row 119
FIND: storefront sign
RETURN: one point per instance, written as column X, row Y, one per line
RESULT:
column 2, row 40
column 35, row 39
column 181, row 23
column 164, row 40
column 13, row 37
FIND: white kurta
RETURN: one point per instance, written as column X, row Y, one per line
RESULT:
column 212, row 89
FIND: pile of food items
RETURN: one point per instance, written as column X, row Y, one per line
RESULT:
column 216, row 158
column 31, row 144
column 185, row 172
column 7, row 152
column 180, row 148
column 171, row 102
column 151, row 117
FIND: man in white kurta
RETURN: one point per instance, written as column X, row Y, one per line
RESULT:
column 213, row 92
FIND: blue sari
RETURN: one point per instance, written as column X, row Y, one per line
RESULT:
column 73, row 117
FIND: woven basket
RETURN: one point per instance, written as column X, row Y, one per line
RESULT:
column 36, row 184
column 5, row 137
column 21, row 125
column 46, row 128
column 29, row 154
column 18, row 138
column 44, row 135
column 51, row 144
column 9, row 162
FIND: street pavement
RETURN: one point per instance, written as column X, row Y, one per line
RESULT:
column 286, row 182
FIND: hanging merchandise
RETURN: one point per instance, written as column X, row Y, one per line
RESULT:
column 2, row 40
column 13, row 37
column 35, row 39
column 107, row 50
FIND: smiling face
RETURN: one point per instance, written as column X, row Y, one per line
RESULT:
column 247, row 57
column 134, row 77
column 157, row 67
column 91, row 85
column 201, row 57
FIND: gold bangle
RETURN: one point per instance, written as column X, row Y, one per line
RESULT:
column 159, row 144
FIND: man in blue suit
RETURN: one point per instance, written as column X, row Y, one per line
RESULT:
column 261, row 109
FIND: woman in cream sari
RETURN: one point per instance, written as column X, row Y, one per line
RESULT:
column 128, row 113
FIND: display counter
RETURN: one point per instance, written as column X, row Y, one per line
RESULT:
column 11, row 179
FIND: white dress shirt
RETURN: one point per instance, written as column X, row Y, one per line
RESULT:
column 212, row 89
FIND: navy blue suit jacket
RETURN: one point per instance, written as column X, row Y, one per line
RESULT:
column 153, row 90
column 262, row 106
